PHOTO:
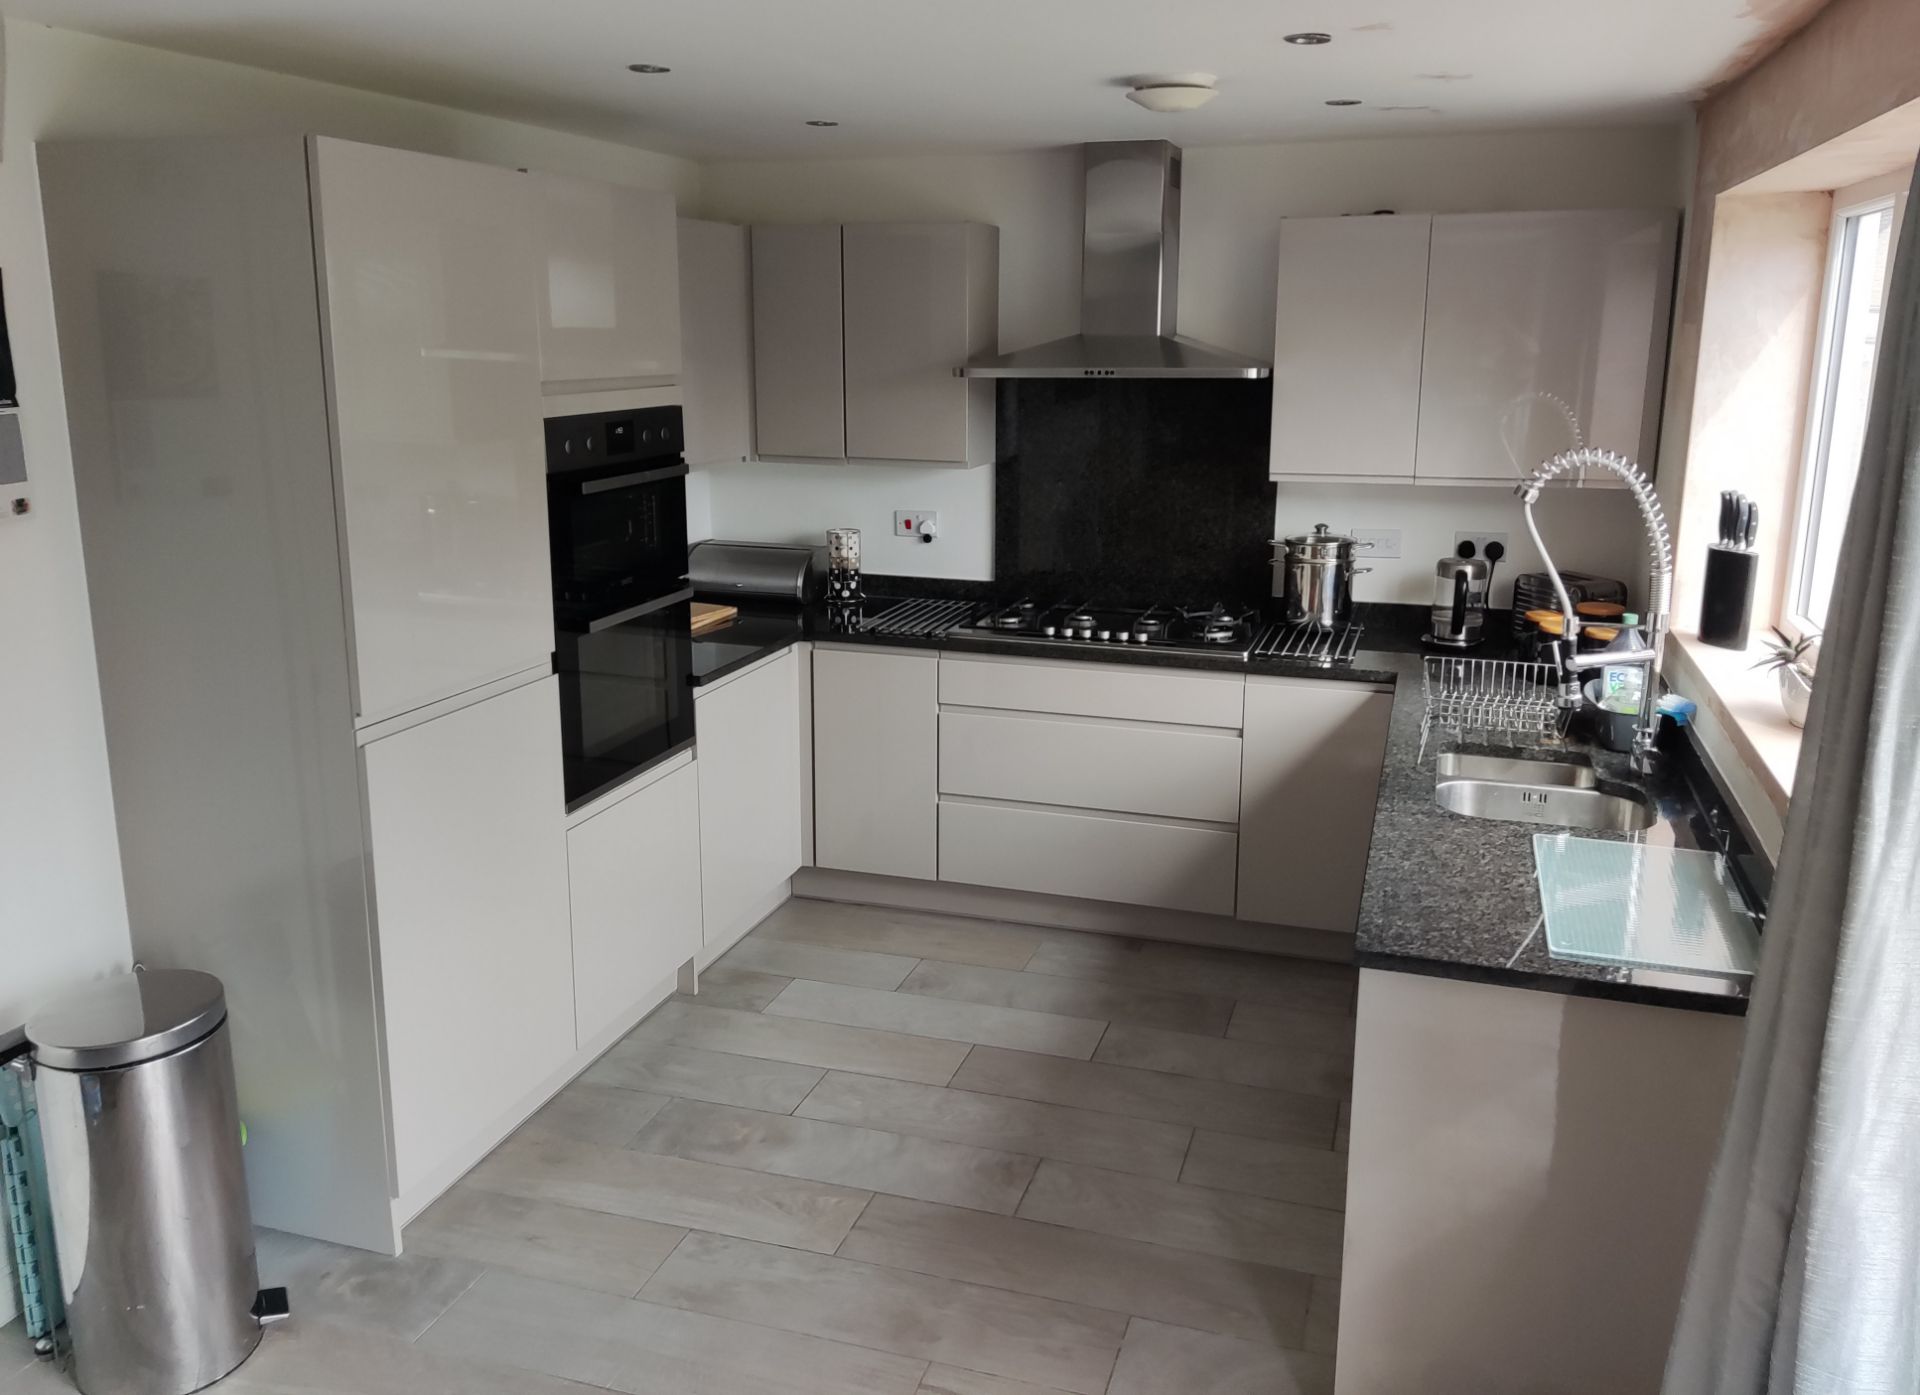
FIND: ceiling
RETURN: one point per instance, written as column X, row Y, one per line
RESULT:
column 911, row 76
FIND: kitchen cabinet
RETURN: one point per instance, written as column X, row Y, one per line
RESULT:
column 1543, row 331
column 465, row 820
column 1311, row 755
column 1467, row 348
column 716, row 341
column 609, row 285
column 428, row 270
column 633, row 876
column 799, row 380
column 750, row 750
column 919, row 300
column 1348, row 330
column 876, row 757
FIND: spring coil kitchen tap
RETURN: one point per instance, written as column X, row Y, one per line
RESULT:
column 1571, row 663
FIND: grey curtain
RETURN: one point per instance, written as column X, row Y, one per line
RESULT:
column 1806, row 1271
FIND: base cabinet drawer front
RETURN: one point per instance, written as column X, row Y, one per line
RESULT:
column 466, row 820
column 875, row 761
column 1126, row 767
column 1310, row 783
column 1103, row 857
column 1094, row 690
column 749, row 753
column 633, row 876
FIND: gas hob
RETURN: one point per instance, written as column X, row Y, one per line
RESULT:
column 1217, row 629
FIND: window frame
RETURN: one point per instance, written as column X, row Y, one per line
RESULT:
column 1887, row 192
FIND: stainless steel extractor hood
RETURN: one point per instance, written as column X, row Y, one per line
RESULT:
column 1129, row 272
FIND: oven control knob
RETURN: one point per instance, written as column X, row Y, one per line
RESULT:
column 1106, row 634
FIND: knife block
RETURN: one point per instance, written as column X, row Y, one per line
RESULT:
column 1726, row 598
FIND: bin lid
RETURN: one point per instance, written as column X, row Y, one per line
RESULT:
column 127, row 1019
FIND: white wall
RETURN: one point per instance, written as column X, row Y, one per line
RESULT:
column 62, row 913
column 1233, row 200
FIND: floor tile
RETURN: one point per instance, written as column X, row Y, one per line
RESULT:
column 16, row 1347
column 948, row 1380
column 1323, row 1317
column 828, row 1045
column 1158, row 1360
column 1015, row 1028
column 719, row 1077
column 1142, row 1094
column 724, row 985
column 39, row 1378
column 1331, row 1032
column 1000, row 1333
column 644, row 1349
column 304, row 1357
column 591, row 1249
column 1217, row 1058
column 1072, row 997
column 857, row 968
column 672, row 1191
column 354, row 1288
column 1234, row 1297
column 1145, row 1146
column 594, row 1111
column 1226, row 973
column 914, row 934
column 955, row 1173
column 1266, row 1167
column 1302, row 1238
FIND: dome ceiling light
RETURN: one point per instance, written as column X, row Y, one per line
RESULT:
column 1173, row 92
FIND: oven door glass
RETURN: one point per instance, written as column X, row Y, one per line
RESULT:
column 617, row 538
column 625, row 700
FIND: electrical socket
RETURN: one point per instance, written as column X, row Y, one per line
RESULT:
column 908, row 522
column 1480, row 541
column 1385, row 543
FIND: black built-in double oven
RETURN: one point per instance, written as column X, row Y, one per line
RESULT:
column 617, row 522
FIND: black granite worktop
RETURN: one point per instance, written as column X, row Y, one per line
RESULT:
column 1445, row 895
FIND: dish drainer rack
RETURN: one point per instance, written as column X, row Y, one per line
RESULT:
column 1508, row 698
column 922, row 619
column 1309, row 644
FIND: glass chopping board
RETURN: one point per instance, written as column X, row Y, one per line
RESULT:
column 1635, row 906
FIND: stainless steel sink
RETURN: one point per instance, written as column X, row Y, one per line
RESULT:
column 1557, row 793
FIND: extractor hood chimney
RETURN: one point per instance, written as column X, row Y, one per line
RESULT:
column 1129, row 273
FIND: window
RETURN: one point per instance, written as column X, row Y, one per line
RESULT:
column 1858, row 261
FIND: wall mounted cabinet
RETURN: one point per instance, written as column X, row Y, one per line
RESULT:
column 1467, row 348
column 857, row 332
column 716, row 341
column 609, row 289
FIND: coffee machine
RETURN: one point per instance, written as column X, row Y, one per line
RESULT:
column 1459, row 602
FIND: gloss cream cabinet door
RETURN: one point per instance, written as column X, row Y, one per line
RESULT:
column 750, row 749
column 428, row 271
column 633, row 877
column 876, row 749
column 466, row 825
column 716, row 341
column 920, row 299
column 1348, row 327
column 1543, row 331
column 799, row 376
column 1311, row 755
column 609, row 284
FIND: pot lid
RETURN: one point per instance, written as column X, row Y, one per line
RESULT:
column 127, row 1019
column 1321, row 542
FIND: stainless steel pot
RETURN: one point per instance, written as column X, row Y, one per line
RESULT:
column 1317, row 573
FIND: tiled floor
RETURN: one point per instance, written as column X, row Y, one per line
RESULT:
column 882, row 1154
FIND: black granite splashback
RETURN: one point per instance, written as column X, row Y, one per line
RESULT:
column 1135, row 491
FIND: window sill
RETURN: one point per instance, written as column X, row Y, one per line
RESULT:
column 1746, row 703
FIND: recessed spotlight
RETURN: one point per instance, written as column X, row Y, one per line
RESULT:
column 823, row 123
column 1343, row 101
column 647, row 68
column 1309, row 38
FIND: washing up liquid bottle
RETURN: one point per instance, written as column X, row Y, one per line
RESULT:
column 1622, row 685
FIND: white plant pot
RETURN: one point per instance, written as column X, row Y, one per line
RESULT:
column 1796, row 691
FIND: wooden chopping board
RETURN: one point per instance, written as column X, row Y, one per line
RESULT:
column 707, row 616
